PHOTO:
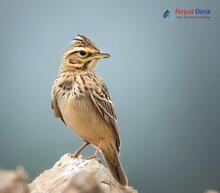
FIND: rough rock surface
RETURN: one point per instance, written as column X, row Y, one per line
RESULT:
column 77, row 175
column 13, row 181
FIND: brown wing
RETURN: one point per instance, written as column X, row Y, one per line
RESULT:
column 56, row 109
column 101, row 100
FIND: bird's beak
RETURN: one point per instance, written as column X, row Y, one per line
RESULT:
column 101, row 55
column 104, row 55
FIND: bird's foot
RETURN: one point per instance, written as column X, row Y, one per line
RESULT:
column 91, row 157
column 77, row 153
column 96, row 153
column 74, row 155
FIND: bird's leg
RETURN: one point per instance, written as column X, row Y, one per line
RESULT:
column 76, row 153
column 95, row 154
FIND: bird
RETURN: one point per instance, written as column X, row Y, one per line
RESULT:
column 80, row 98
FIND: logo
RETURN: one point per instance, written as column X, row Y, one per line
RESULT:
column 192, row 11
column 179, row 13
column 166, row 14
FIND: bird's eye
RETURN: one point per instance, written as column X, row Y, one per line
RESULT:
column 81, row 53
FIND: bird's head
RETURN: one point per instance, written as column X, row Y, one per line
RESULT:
column 82, row 54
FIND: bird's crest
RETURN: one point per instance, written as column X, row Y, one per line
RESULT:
column 83, row 41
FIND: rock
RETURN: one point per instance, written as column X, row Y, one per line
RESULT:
column 211, row 191
column 13, row 181
column 77, row 175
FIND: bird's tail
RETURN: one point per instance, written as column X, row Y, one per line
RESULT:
column 114, row 165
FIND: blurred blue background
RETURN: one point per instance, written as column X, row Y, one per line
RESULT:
column 163, row 76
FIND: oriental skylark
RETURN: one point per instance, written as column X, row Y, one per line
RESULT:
column 82, row 101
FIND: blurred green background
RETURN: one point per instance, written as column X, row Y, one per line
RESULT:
column 163, row 76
